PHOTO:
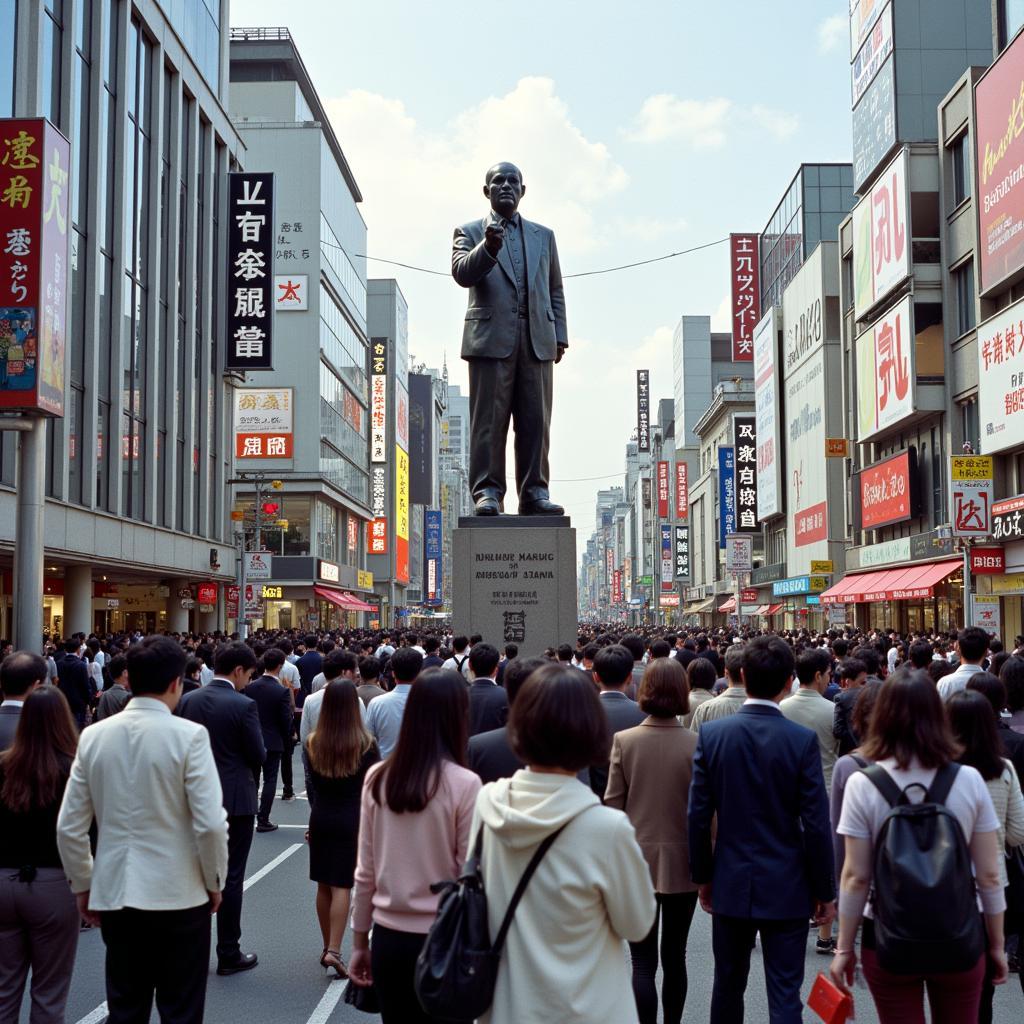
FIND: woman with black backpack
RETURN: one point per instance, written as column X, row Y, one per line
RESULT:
column 922, row 837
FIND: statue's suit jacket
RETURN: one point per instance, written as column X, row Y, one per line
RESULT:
column 492, row 319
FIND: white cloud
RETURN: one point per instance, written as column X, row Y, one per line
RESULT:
column 699, row 122
column 776, row 122
column 721, row 319
column 832, row 31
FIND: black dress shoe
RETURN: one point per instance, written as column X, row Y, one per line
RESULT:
column 541, row 507
column 266, row 826
column 487, row 506
column 243, row 962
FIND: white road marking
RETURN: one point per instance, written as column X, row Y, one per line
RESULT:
column 97, row 1015
column 267, row 868
column 330, row 999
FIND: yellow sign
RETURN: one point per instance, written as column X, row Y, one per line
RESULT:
column 837, row 448
column 971, row 467
column 237, row 515
column 1011, row 583
column 269, row 593
column 822, row 567
column 818, row 584
column 364, row 579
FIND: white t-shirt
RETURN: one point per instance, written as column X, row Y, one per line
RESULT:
column 864, row 808
column 319, row 682
column 289, row 676
column 453, row 663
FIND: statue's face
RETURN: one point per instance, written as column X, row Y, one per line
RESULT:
column 504, row 187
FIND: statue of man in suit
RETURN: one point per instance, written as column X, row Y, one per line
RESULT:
column 514, row 334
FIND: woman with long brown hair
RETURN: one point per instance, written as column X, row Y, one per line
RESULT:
column 38, row 915
column 340, row 751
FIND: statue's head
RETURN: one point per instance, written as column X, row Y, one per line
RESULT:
column 504, row 187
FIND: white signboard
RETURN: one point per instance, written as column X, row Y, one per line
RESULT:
column 838, row 614
column 291, row 292
column 871, row 56
column 881, row 237
column 766, row 408
column 885, row 371
column 739, row 553
column 987, row 613
column 263, row 410
column 1001, row 379
column 970, row 495
column 862, row 17
column 257, row 565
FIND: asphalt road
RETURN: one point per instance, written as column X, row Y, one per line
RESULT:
column 290, row 987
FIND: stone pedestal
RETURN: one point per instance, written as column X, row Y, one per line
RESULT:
column 514, row 581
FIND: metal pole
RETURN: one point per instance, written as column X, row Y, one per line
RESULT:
column 28, row 538
column 968, row 616
column 242, row 621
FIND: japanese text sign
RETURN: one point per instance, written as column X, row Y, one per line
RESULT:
column 378, row 400
column 617, row 586
column 250, row 272
column 767, row 415
column 682, row 565
column 726, row 494
column 667, row 559
column 971, row 495
column 886, row 370
column 432, row 546
column 401, row 516
column 682, row 491
column 863, row 14
column 643, row 410
column 744, row 433
column 377, row 536
column 663, row 490
column 745, row 275
column 1001, row 379
column 869, row 59
column 739, row 553
column 988, row 561
column 263, row 423
column 34, row 292
column 987, row 613
column 291, row 292
column 888, row 491
column 1008, row 519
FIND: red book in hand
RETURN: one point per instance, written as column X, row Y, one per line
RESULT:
column 829, row 1002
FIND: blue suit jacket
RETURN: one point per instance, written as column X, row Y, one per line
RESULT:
column 762, row 775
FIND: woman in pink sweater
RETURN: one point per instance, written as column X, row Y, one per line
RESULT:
column 417, row 807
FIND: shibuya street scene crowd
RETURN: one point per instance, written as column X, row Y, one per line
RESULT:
column 856, row 795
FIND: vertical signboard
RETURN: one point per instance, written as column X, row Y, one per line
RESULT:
column 401, row 515
column 682, row 492
column 987, row 613
column 378, row 400
column 999, row 155
column 881, row 237
column 745, row 276
column 663, row 490
column 617, row 587
column 667, row 559
column 421, row 439
column 263, row 422
column 874, row 123
column 726, row 494
column 886, row 371
column 377, row 528
column 643, row 410
column 682, row 554
column 250, row 250
column 744, row 439
column 876, row 48
column 433, row 580
column 34, row 293
column 766, row 415
column 971, row 495
column 863, row 15
column 1001, row 379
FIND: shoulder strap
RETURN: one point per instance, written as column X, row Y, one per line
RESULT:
column 859, row 760
column 883, row 782
column 460, row 661
column 942, row 783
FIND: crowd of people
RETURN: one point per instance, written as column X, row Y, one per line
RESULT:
column 856, row 792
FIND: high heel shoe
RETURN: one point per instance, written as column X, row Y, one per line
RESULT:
column 332, row 958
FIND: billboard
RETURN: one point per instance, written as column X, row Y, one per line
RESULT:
column 881, row 237
column 378, row 400
column 886, row 371
column 421, row 439
column 744, row 440
column 250, row 271
column 433, row 578
column 663, row 490
column 263, row 423
column 874, row 123
column 876, row 48
column 291, row 292
column 682, row 491
column 643, row 410
column 35, row 162
column 726, row 494
column 999, row 154
column 863, row 14
column 766, row 406
column 682, row 564
column 1001, row 380
column 377, row 528
column 888, row 491
column 401, row 515
column 745, row 276
column 667, row 559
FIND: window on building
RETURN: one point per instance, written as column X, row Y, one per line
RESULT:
column 960, row 157
column 50, row 67
column 971, row 423
column 8, row 23
column 963, row 281
column 1011, row 17
column 327, row 531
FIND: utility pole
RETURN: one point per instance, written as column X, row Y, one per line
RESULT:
column 28, row 531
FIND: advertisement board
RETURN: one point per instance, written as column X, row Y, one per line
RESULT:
column 378, row 400
column 987, row 613
column 767, row 415
column 682, row 554
column 726, row 494
column 744, row 434
column 682, row 491
column 617, row 586
column 863, row 14
column 988, row 561
column 433, row 581
column 643, row 410
column 874, row 123
column 377, row 528
column 1008, row 519
column 667, row 558
column 886, row 370
column 881, row 237
column 250, row 271
column 258, row 565
column 1001, row 379
column 663, row 490
column 970, row 495
column 263, row 423
column 745, row 277
column 291, row 292
column 401, row 416
column 35, row 292
column 999, row 155
column 888, row 491
column 876, row 48
column 739, row 553
column 401, row 516
column 422, row 451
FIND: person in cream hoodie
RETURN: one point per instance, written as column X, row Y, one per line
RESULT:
column 564, row 958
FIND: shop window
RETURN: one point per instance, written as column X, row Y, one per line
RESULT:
column 960, row 158
column 963, row 281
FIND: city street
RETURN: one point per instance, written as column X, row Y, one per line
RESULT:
column 289, row 986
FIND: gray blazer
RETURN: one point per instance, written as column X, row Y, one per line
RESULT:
column 492, row 320
column 8, row 725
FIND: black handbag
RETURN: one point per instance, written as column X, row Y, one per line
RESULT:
column 457, row 969
column 362, row 998
column 1015, row 879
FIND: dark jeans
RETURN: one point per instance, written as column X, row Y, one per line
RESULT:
column 229, row 917
column 784, row 947
column 675, row 911
column 161, row 952
column 287, row 786
column 270, row 770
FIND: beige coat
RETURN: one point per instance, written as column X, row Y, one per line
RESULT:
column 649, row 779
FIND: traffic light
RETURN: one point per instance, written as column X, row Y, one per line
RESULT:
column 270, row 508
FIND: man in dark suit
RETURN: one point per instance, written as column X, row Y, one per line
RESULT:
column 20, row 673
column 488, row 702
column 233, row 723
column 274, row 707
column 613, row 671
column 310, row 665
column 514, row 333
column 73, row 680
column 771, row 867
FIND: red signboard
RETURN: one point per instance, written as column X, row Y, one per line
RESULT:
column 34, row 165
column 377, row 536
column 263, row 446
column 402, row 559
column 988, row 561
column 999, row 153
column 810, row 524
column 231, row 599
column 745, row 275
column 682, row 493
column 663, row 490
column 886, row 492
column 748, row 596
column 617, row 587
column 207, row 593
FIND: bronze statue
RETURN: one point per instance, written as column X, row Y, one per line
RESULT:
column 514, row 334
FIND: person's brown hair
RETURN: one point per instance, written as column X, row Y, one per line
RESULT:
column 863, row 708
column 35, row 768
column 665, row 690
column 557, row 721
column 339, row 741
column 909, row 722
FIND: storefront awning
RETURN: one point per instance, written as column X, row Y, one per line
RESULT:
column 906, row 584
column 774, row 609
column 354, row 604
column 762, row 609
column 699, row 607
column 335, row 597
column 728, row 606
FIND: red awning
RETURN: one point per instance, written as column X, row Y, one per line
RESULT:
column 728, row 606
column 907, row 584
column 762, row 609
column 354, row 604
column 774, row 609
column 333, row 596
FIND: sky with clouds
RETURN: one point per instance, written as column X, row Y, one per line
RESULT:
column 641, row 129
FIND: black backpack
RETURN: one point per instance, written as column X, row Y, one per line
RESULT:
column 457, row 968
column 923, row 892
